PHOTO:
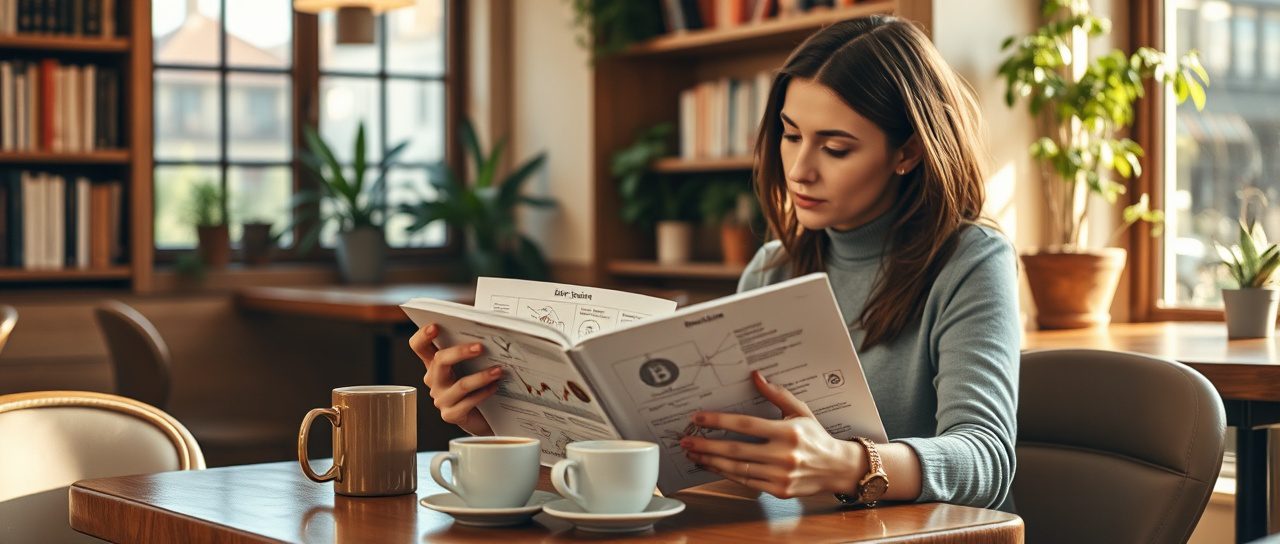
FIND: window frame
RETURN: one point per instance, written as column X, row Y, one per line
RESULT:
column 304, row 76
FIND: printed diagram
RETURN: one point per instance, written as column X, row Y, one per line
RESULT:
column 682, row 366
column 588, row 327
column 524, row 383
column 555, row 436
column 545, row 315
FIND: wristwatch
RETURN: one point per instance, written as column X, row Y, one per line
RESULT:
column 874, row 484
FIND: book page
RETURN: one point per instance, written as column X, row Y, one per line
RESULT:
column 654, row 375
column 541, row 395
column 575, row 310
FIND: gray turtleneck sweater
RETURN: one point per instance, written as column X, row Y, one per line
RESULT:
column 948, row 384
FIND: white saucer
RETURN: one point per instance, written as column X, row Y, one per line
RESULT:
column 659, row 507
column 487, row 517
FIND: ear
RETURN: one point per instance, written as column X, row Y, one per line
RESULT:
column 908, row 156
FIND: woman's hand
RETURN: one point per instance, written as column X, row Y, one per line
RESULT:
column 455, row 398
column 798, row 458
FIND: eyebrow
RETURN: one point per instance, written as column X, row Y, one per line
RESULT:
column 826, row 133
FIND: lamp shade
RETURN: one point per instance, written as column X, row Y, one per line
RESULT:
column 376, row 6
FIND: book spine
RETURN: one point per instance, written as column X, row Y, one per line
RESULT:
column 70, row 224
column 82, row 221
column 15, row 219
column 100, row 239
column 93, row 17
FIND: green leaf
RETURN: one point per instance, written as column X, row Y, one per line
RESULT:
column 1197, row 93
column 510, row 188
column 357, row 185
column 472, row 142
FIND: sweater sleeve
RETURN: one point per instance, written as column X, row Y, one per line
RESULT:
column 754, row 275
column 975, row 343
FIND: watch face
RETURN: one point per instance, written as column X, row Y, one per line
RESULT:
column 874, row 487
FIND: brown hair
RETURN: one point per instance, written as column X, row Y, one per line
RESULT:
column 886, row 70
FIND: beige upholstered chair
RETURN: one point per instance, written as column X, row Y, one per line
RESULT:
column 139, row 357
column 1114, row 447
column 51, row 439
column 8, row 320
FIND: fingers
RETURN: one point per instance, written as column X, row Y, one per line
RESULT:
column 758, row 476
column 449, row 396
column 440, row 369
column 780, row 397
column 748, row 425
column 733, row 449
column 457, row 414
column 422, row 342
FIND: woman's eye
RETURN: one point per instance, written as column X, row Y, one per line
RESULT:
column 791, row 137
column 837, row 153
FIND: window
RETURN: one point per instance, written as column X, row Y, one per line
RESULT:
column 226, row 78
column 1218, row 164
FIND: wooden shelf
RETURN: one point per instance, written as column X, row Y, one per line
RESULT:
column 770, row 33
column 654, row 269
column 676, row 165
column 111, row 156
column 70, row 274
column 65, row 43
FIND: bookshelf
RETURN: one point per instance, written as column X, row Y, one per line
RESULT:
column 641, row 87
column 128, row 53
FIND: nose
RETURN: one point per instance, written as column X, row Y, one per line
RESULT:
column 801, row 170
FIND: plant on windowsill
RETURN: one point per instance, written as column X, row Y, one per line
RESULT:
column 257, row 242
column 357, row 205
column 729, row 204
column 1083, row 107
column 209, row 217
column 484, row 211
column 650, row 199
column 1251, row 308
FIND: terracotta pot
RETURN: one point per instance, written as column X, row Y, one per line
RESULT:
column 215, row 245
column 256, row 243
column 1074, row 290
column 737, row 244
column 1251, row 313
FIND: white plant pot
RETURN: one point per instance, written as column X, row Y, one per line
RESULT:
column 675, row 242
column 1251, row 313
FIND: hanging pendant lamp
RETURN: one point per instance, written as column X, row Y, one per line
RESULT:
column 354, row 17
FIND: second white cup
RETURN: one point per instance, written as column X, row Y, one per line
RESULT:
column 490, row 471
column 608, row 476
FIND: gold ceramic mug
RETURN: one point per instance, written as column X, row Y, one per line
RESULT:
column 375, row 440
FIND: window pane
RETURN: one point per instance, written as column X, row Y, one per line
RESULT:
column 187, row 116
column 358, row 58
column 406, row 186
column 259, row 195
column 174, row 227
column 1271, row 45
column 259, row 33
column 416, row 39
column 260, row 117
column 417, row 115
column 344, row 103
column 1219, row 158
column 183, row 37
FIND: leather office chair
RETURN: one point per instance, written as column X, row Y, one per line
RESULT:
column 8, row 320
column 1114, row 447
column 54, row 438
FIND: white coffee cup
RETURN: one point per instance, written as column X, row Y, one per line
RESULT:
column 608, row 476
column 490, row 471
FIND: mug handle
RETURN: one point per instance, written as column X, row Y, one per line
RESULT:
column 335, row 471
column 560, row 479
column 437, row 463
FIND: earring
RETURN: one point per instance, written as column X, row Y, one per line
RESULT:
column 902, row 172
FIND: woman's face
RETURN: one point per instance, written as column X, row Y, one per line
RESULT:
column 838, row 165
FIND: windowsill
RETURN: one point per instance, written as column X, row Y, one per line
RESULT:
column 166, row 279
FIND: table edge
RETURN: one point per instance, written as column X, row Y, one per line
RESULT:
column 994, row 531
column 176, row 521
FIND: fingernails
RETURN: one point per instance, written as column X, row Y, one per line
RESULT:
column 699, row 418
column 431, row 329
column 686, row 443
column 760, row 376
column 475, row 348
column 495, row 371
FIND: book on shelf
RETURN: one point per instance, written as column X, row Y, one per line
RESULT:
column 49, row 106
column 75, row 18
column 581, row 363
column 682, row 15
column 56, row 221
column 719, row 118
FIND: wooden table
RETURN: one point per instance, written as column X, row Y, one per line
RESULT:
column 275, row 502
column 1246, row 374
column 377, row 307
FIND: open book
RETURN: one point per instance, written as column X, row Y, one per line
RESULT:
column 593, row 364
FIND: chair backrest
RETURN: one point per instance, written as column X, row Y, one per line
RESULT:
column 54, row 438
column 8, row 320
column 1114, row 447
column 139, row 357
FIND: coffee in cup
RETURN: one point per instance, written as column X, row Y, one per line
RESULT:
column 490, row 471
column 608, row 476
column 375, row 440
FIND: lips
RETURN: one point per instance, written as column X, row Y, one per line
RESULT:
column 805, row 202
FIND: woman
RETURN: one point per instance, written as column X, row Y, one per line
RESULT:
column 868, row 168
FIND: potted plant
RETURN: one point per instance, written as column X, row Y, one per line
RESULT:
column 257, row 243
column 484, row 211
column 214, row 244
column 729, row 204
column 1083, row 107
column 650, row 199
column 357, row 205
column 606, row 27
column 1251, row 308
